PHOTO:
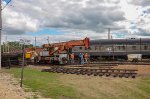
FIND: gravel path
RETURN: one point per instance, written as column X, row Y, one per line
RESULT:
column 10, row 88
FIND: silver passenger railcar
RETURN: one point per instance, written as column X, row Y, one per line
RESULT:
column 115, row 48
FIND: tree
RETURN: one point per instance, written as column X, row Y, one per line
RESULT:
column 13, row 46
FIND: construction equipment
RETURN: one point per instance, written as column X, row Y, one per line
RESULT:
column 134, row 57
column 58, row 53
column 31, row 54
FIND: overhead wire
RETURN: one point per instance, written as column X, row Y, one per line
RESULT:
column 6, row 5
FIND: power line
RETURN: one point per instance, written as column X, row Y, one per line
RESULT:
column 6, row 5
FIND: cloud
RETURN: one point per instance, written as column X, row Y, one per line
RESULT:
column 143, row 32
column 75, row 18
column 30, row 15
column 93, row 17
column 140, row 2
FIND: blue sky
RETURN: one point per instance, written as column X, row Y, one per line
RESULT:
column 6, row 1
column 46, row 31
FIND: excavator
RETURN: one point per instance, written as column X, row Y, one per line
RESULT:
column 58, row 53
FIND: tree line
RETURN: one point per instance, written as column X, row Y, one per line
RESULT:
column 13, row 46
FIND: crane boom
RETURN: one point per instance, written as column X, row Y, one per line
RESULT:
column 65, row 46
column 70, row 44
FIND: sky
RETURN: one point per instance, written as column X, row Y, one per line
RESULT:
column 63, row 20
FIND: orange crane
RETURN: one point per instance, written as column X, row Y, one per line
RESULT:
column 66, row 46
column 58, row 52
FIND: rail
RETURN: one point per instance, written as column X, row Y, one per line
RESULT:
column 96, row 72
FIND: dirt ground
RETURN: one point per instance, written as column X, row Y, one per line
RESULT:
column 142, row 69
column 10, row 88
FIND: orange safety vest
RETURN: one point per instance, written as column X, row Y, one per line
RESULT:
column 72, row 56
column 85, row 55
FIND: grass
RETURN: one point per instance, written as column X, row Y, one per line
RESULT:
column 47, row 84
column 144, row 85
column 110, row 88
column 63, row 86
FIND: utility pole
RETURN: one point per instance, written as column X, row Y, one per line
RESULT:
column 24, row 42
column 0, row 30
column 6, row 49
column 48, row 39
column 23, row 63
column 109, row 33
column 35, row 43
column 141, row 47
column 4, row 44
column 2, row 48
column 113, row 47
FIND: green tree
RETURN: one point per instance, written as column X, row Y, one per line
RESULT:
column 13, row 46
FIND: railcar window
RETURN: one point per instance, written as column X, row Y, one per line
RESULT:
column 80, row 48
column 119, row 47
column 145, row 47
column 100, row 47
column 90, row 48
column 134, row 47
column 74, row 48
column 96, row 47
column 123, row 47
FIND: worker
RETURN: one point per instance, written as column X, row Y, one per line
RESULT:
column 72, row 58
column 86, row 57
column 81, row 58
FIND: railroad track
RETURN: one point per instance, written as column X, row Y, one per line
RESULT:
column 95, row 72
column 88, row 65
column 121, row 63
